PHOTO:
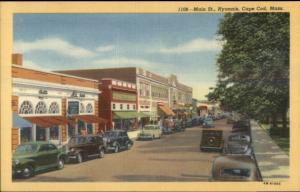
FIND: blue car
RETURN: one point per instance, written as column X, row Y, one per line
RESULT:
column 208, row 123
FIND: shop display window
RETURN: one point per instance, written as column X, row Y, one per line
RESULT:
column 89, row 128
column 54, row 133
column 40, row 134
column 26, row 133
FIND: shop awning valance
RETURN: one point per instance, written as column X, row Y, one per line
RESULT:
column 127, row 114
column 166, row 110
column 48, row 121
column 90, row 118
column 19, row 122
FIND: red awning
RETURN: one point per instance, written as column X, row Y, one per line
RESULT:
column 90, row 118
column 48, row 121
column 166, row 109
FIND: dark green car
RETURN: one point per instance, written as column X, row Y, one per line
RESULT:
column 32, row 157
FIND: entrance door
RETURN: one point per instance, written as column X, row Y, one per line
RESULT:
column 40, row 134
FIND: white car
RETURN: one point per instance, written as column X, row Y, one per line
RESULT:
column 150, row 132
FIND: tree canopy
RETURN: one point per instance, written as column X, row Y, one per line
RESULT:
column 253, row 66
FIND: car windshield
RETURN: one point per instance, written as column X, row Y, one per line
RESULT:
column 26, row 148
column 149, row 127
column 236, row 172
column 110, row 134
column 77, row 140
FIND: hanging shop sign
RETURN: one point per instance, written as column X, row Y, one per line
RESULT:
column 73, row 107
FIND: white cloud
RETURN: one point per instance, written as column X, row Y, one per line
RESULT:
column 53, row 44
column 105, row 48
column 33, row 65
column 195, row 45
column 128, row 62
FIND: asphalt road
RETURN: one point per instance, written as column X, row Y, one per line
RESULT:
column 174, row 157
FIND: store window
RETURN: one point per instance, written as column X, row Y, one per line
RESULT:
column 81, row 110
column 89, row 128
column 89, row 108
column 54, row 108
column 40, row 134
column 81, row 127
column 54, row 133
column 71, row 130
column 41, row 108
column 26, row 134
column 26, row 108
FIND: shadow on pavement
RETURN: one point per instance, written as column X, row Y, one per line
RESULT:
column 156, row 178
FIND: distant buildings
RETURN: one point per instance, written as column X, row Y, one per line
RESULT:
column 153, row 91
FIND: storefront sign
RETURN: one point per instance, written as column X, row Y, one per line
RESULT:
column 123, row 96
column 73, row 107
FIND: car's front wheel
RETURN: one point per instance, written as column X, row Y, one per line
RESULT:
column 128, row 146
column 60, row 163
column 28, row 171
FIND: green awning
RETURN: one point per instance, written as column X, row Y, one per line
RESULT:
column 148, row 114
column 126, row 114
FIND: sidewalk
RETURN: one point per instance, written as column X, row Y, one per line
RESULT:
column 273, row 163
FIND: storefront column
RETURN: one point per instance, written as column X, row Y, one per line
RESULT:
column 60, row 134
column 76, row 129
column 33, row 132
column 47, row 134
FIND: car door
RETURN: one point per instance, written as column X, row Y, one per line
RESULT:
column 42, row 158
column 92, row 145
column 52, row 154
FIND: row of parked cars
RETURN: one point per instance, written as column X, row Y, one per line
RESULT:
column 33, row 157
column 237, row 162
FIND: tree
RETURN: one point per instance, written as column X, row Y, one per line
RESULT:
column 254, row 65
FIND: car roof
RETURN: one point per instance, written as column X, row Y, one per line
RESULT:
column 36, row 143
column 234, row 161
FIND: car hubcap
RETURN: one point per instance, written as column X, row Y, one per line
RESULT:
column 116, row 149
column 27, row 172
column 79, row 158
column 101, row 153
column 60, row 164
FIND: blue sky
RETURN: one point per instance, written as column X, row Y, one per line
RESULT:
column 180, row 44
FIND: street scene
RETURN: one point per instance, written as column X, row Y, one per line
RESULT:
column 136, row 98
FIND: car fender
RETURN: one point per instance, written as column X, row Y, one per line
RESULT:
column 26, row 162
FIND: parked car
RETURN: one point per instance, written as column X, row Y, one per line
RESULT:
column 195, row 121
column 83, row 146
column 230, row 120
column 117, row 140
column 238, row 144
column 208, row 123
column 167, row 130
column 189, row 123
column 150, row 132
column 178, row 126
column 212, row 140
column 31, row 157
column 234, row 168
column 241, row 126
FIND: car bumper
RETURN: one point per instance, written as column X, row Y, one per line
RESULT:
column 145, row 137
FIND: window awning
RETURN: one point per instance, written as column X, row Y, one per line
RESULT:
column 89, row 119
column 19, row 122
column 127, row 114
column 166, row 110
column 48, row 121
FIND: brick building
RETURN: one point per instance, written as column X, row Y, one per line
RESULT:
column 55, row 106
column 155, row 94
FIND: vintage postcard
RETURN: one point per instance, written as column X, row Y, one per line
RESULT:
column 150, row 96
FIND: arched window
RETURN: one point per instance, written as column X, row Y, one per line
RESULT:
column 26, row 108
column 41, row 107
column 81, row 109
column 54, row 108
column 89, row 108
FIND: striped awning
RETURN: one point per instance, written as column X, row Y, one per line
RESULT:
column 47, row 121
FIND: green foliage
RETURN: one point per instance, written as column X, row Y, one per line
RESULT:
column 254, row 63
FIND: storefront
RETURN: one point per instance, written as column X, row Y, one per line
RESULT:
column 44, row 100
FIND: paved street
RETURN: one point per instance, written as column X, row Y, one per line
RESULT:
column 174, row 157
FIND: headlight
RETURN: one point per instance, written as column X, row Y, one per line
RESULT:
column 16, row 162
